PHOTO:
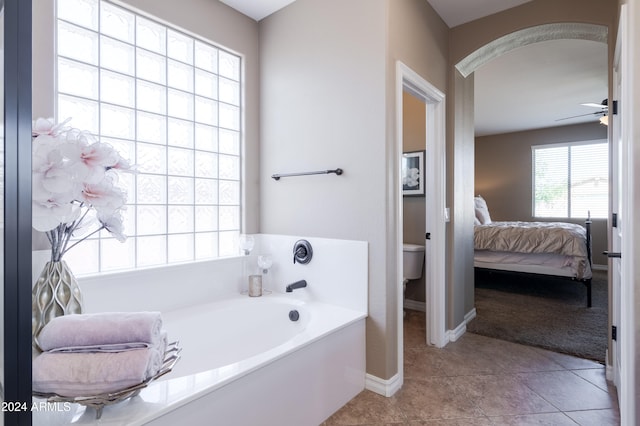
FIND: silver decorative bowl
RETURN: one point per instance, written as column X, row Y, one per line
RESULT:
column 98, row 402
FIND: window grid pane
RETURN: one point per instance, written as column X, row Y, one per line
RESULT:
column 169, row 103
column 571, row 180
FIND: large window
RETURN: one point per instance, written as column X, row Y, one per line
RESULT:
column 571, row 180
column 171, row 104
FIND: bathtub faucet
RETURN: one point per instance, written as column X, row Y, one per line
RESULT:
column 297, row 284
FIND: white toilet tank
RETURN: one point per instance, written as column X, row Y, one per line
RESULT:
column 413, row 259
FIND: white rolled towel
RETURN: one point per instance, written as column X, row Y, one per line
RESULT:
column 108, row 331
column 156, row 356
column 74, row 374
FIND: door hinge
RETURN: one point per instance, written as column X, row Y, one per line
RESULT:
column 614, row 107
column 614, row 332
column 427, row 236
column 614, row 220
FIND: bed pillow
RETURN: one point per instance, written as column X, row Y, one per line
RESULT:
column 482, row 211
column 476, row 221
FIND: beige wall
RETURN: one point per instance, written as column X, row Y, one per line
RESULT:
column 503, row 173
column 420, row 39
column 468, row 37
column 417, row 37
column 323, row 106
column 328, row 73
column 460, row 141
column 413, row 208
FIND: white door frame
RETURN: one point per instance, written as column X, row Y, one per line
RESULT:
column 630, row 200
column 435, row 193
column 616, row 233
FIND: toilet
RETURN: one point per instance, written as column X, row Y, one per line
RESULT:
column 412, row 262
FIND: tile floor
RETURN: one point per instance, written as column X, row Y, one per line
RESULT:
column 483, row 381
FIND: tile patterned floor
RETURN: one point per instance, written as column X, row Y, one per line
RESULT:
column 483, row 381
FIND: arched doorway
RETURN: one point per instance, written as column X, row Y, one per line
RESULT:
column 467, row 67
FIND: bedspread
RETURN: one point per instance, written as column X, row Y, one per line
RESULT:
column 532, row 237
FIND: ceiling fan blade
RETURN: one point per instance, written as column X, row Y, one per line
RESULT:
column 582, row 115
column 594, row 105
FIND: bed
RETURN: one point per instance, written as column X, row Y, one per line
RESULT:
column 545, row 248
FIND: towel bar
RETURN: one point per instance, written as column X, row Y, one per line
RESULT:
column 320, row 172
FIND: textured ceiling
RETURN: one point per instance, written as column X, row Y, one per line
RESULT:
column 257, row 9
column 536, row 85
column 457, row 12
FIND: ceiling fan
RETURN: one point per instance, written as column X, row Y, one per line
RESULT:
column 604, row 110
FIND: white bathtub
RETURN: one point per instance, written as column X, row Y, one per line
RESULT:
column 237, row 330
column 244, row 362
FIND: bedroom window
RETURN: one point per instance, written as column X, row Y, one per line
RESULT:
column 171, row 104
column 570, row 180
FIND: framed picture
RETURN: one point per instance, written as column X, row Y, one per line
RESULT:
column 413, row 174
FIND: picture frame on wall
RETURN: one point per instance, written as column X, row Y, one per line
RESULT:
column 413, row 174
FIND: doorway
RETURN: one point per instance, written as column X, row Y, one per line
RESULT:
column 414, row 213
column 408, row 81
column 504, row 177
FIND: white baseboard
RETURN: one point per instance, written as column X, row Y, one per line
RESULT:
column 383, row 387
column 414, row 305
column 455, row 334
column 470, row 315
column 451, row 335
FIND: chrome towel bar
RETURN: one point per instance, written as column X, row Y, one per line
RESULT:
column 320, row 172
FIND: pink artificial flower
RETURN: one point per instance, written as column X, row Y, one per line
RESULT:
column 47, row 214
column 89, row 161
column 73, row 184
column 47, row 126
column 113, row 224
column 123, row 165
column 50, row 167
column 103, row 196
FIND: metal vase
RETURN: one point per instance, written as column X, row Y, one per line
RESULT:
column 54, row 294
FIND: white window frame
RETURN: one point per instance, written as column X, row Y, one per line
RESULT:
column 226, row 246
column 533, row 175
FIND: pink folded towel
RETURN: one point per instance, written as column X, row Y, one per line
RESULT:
column 74, row 374
column 106, row 332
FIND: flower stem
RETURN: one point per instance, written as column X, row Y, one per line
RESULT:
column 52, row 240
column 66, row 249
column 68, row 230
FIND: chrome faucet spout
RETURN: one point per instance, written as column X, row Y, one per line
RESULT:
column 297, row 284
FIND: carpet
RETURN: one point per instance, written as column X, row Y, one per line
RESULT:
column 545, row 312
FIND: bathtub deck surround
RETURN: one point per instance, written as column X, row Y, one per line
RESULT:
column 258, row 348
column 337, row 274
